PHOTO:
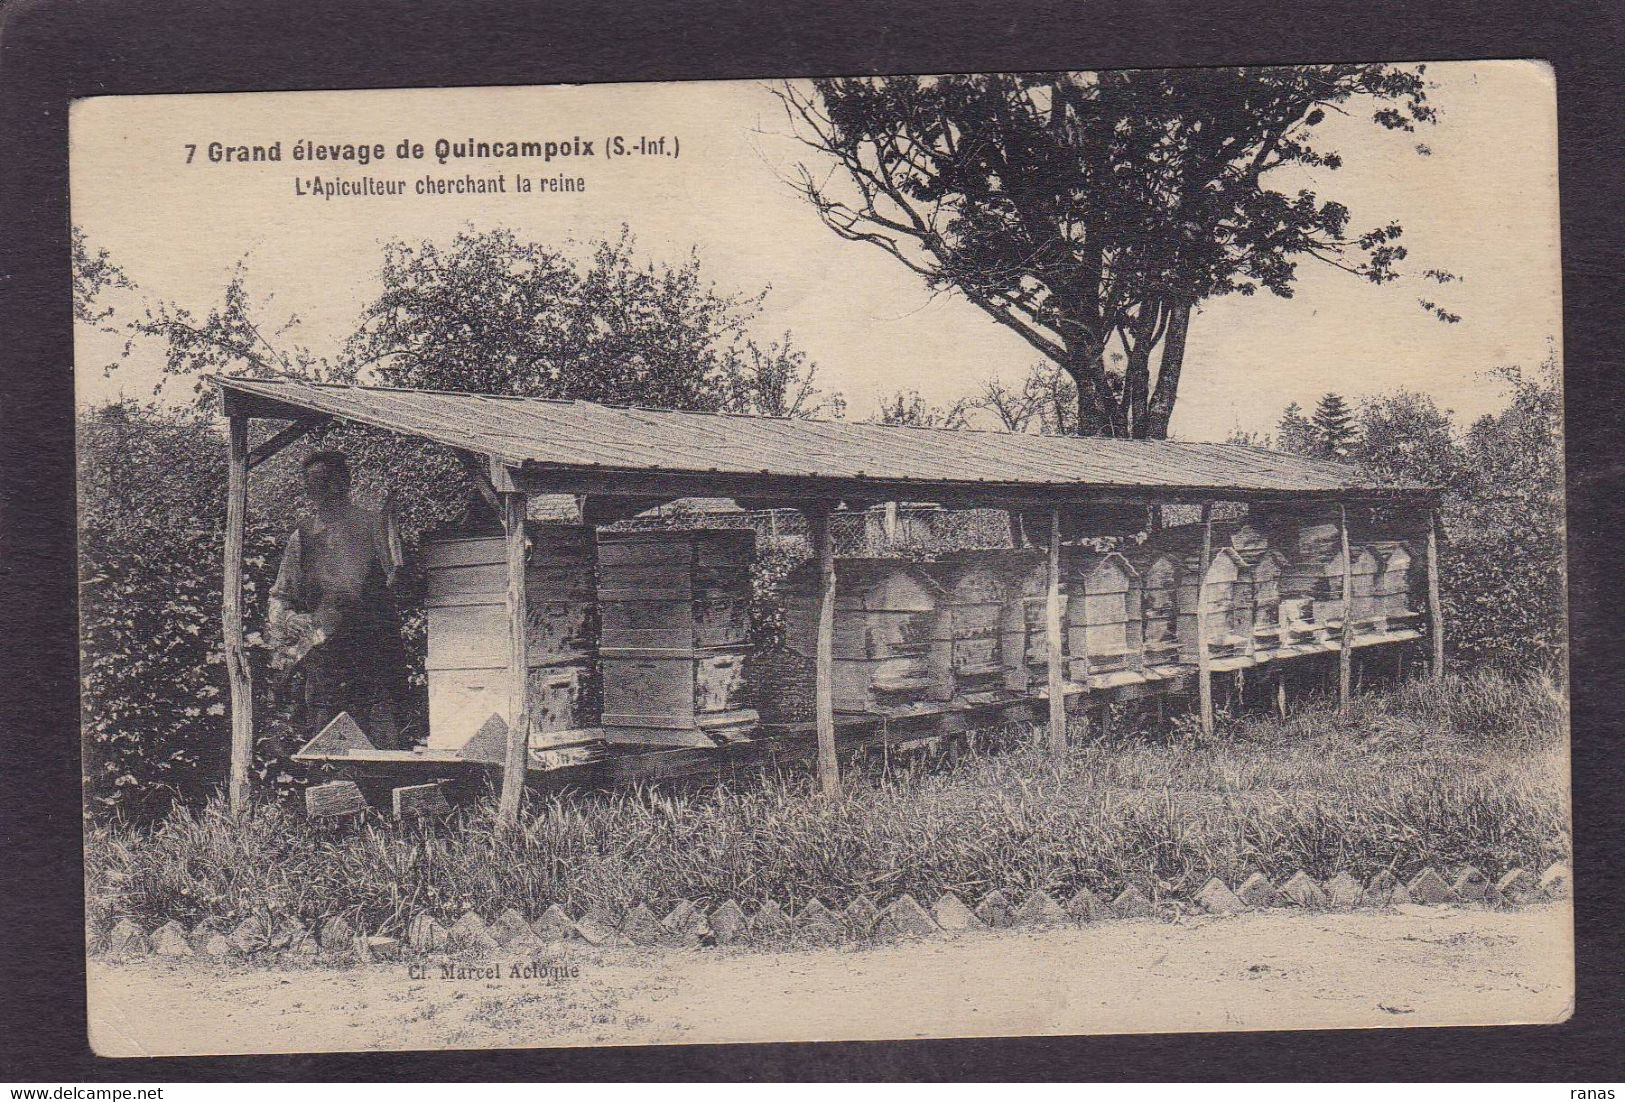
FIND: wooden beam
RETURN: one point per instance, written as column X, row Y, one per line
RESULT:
column 513, row 765
column 823, row 540
column 1204, row 661
column 479, row 473
column 795, row 490
column 237, row 404
column 1435, row 604
column 597, row 509
column 502, row 477
column 282, row 439
column 238, row 677
column 1053, row 642
column 1345, row 638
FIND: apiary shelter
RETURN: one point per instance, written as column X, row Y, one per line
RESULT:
column 621, row 460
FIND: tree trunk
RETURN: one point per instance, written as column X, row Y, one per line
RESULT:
column 1097, row 414
column 1173, row 360
column 1136, row 384
column 1139, row 338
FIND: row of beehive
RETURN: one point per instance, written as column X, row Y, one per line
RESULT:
column 657, row 651
column 465, row 606
column 1131, row 613
column 675, row 636
column 971, row 626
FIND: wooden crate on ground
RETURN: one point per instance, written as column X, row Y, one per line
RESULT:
column 466, row 609
column 674, row 643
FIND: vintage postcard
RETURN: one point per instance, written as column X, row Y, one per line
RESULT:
column 922, row 556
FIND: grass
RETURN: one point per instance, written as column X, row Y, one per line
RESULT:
column 1472, row 769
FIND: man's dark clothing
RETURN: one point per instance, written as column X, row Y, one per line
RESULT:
column 338, row 569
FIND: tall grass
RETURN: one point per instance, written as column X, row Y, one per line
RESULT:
column 1469, row 769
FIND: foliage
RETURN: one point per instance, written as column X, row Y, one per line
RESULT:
column 1045, row 402
column 906, row 407
column 94, row 273
column 1081, row 208
column 1501, row 558
column 1467, row 770
column 1506, row 546
column 495, row 314
column 150, row 548
column 1296, row 433
column 1334, row 427
column 1404, row 435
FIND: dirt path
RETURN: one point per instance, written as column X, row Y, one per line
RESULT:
column 1422, row 966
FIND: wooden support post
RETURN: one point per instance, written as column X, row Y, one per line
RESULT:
column 1204, row 661
column 1345, row 640
column 1053, row 643
column 478, row 473
column 238, row 677
column 513, row 762
column 823, row 539
column 1435, row 605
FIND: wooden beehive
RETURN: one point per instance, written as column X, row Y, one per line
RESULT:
column 1027, row 661
column 1396, row 589
column 1365, row 611
column 1269, row 623
column 886, row 654
column 1160, row 580
column 1312, row 581
column 972, row 620
column 1222, row 597
column 1105, row 628
column 675, row 608
column 466, row 608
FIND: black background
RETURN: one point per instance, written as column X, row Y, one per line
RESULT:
column 51, row 52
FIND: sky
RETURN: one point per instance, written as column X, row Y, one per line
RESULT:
column 1482, row 205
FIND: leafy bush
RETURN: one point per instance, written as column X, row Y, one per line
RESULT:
column 150, row 547
column 1502, row 557
column 1503, row 565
